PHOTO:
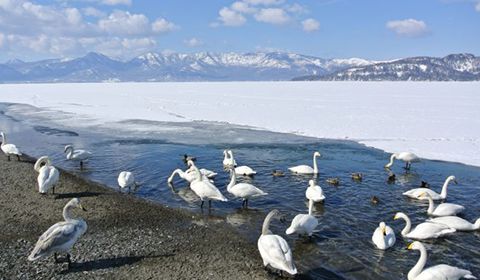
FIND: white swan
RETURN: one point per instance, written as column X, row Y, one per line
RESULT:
column 228, row 161
column 417, row 192
column 304, row 223
column 457, row 223
column 9, row 149
column 60, row 237
column 305, row 169
column 241, row 170
column 274, row 249
column 424, row 230
column 244, row 191
column 80, row 155
column 407, row 157
column 383, row 237
column 314, row 192
column 189, row 175
column 204, row 188
column 48, row 175
column 441, row 271
column 126, row 180
column 443, row 209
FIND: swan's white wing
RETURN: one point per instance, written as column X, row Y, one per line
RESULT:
column 301, row 169
column 244, row 170
column 415, row 193
column 379, row 239
column 60, row 236
column 81, row 155
column 453, row 222
column 430, row 230
column 205, row 189
column 245, row 190
column 447, row 209
column 208, row 173
column 407, row 156
column 47, row 177
column 302, row 223
column 443, row 271
column 11, row 149
column 276, row 252
column 314, row 193
column 390, row 236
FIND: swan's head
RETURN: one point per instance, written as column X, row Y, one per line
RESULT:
column 399, row 215
column 75, row 202
column 316, row 154
column 383, row 227
column 190, row 163
column 68, row 147
column 42, row 161
column 311, row 183
column 416, row 245
column 452, row 179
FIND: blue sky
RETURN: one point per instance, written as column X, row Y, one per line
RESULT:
column 372, row 29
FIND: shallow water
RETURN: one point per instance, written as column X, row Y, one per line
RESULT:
column 341, row 247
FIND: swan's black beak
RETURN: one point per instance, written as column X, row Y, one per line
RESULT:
column 83, row 208
column 455, row 181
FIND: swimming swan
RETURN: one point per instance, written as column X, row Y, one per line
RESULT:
column 415, row 193
column 456, row 223
column 61, row 237
column 383, row 237
column 189, row 175
column 440, row 271
column 407, row 157
column 48, row 175
column 204, row 188
column 274, row 249
column 241, row 170
column 304, row 223
column 424, row 230
column 228, row 161
column 9, row 149
column 244, row 191
column 443, row 209
column 80, row 155
column 305, row 169
column 314, row 192
column 126, row 180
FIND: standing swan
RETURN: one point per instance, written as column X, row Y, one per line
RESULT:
column 417, row 193
column 204, row 188
column 383, row 237
column 126, row 180
column 407, row 157
column 61, row 237
column 305, row 169
column 443, row 209
column 274, row 249
column 440, row 271
column 424, row 230
column 190, row 175
column 314, row 192
column 80, row 155
column 241, row 170
column 457, row 223
column 228, row 161
column 244, row 191
column 304, row 223
column 48, row 175
column 9, row 149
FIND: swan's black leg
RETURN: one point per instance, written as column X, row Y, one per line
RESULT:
column 8, row 158
column 53, row 189
column 246, row 203
column 201, row 205
column 18, row 158
column 55, row 258
column 69, row 261
column 209, row 204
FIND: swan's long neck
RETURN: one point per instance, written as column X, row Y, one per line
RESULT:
column 431, row 205
column 176, row 171
column 230, row 153
column 233, row 180
column 4, row 139
column 310, row 207
column 67, row 212
column 266, row 223
column 198, row 175
column 477, row 224
column 443, row 194
column 417, row 269
column 315, row 166
column 408, row 225
column 69, row 152
column 392, row 157
column 38, row 164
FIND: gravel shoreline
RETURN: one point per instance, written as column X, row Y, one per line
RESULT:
column 127, row 237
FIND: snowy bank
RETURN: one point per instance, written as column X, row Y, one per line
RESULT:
column 436, row 120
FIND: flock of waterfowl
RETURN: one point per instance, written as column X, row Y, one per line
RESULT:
column 273, row 249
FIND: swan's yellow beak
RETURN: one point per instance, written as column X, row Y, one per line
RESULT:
column 83, row 208
column 384, row 231
column 423, row 194
column 395, row 217
column 410, row 246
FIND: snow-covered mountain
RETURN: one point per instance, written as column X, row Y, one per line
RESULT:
column 454, row 67
column 271, row 66
column 95, row 67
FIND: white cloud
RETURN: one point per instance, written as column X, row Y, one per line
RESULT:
column 230, row 17
column 273, row 16
column 116, row 2
column 124, row 23
column 264, row 2
column 2, row 39
column 243, row 7
column 161, row 25
column 92, row 12
column 193, row 42
column 477, row 6
column 408, row 27
column 296, row 9
column 310, row 25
